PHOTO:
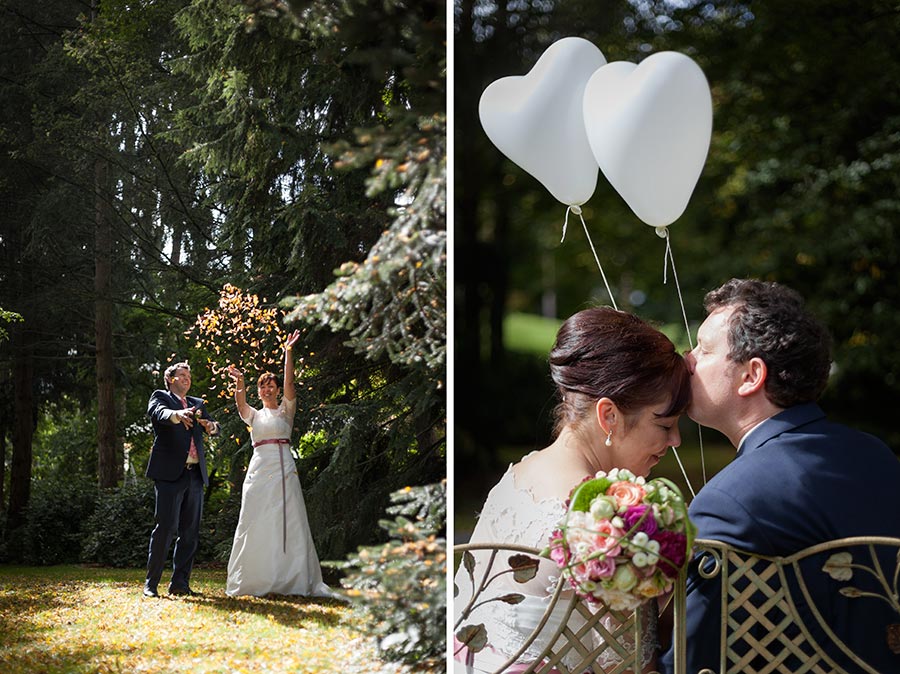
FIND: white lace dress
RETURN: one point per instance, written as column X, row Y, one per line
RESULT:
column 512, row 515
column 273, row 549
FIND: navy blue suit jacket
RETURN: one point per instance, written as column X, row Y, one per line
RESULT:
column 796, row 481
column 172, row 441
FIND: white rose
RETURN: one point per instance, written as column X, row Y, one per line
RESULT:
column 603, row 507
column 624, row 578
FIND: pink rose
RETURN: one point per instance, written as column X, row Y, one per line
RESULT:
column 580, row 572
column 599, row 569
column 607, row 538
column 626, row 493
column 559, row 553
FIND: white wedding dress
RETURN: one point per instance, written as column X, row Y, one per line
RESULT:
column 513, row 515
column 273, row 550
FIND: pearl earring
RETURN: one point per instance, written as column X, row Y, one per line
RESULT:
column 608, row 442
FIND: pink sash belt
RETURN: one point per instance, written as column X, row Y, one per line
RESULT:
column 279, row 442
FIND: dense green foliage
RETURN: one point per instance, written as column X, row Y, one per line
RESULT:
column 117, row 532
column 52, row 533
column 7, row 317
column 800, row 186
column 402, row 584
column 151, row 154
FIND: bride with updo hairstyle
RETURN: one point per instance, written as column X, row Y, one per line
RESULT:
column 621, row 387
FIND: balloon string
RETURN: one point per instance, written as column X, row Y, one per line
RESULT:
column 577, row 211
column 666, row 255
column 671, row 257
column 566, row 224
column 684, row 473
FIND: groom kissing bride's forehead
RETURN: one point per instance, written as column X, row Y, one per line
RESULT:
column 761, row 362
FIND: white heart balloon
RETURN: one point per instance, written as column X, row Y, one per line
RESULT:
column 649, row 127
column 537, row 120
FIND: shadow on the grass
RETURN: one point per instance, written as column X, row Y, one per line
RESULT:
column 290, row 611
column 14, row 610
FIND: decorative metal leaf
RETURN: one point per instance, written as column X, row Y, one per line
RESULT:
column 838, row 566
column 474, row 637
column 893, row 638
column 524, row 567
column 512, row 598
column 851, row 592
column 469, row 563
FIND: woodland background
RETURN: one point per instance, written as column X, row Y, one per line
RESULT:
column 801, row 186
column 186, row 180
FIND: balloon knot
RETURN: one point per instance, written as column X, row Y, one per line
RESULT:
column 662, row 232
column 575, row 208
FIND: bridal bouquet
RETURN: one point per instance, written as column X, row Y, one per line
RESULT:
column 623, row 539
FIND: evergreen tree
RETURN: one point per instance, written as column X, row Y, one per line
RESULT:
column 287, row 96
column 34, row 262
column 99, row 210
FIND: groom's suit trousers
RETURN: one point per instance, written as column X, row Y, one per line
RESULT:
column 179, row 507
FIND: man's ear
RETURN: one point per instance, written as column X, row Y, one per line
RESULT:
column 753, row 378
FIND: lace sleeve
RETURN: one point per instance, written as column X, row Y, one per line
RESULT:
column 649, row 643
column 289, row 408
column 512, row 515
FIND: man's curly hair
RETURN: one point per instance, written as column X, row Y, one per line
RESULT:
column 770, row 322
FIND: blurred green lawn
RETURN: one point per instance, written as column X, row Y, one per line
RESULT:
column 530, row 333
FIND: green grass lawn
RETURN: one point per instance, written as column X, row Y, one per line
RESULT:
column 70, row 619
column 529, row 333
column 534, row 334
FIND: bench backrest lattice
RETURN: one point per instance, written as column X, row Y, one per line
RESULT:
column 571, row 637
column 790, row 615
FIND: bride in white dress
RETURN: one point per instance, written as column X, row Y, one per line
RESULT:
column 622, row 386
column 273, row 550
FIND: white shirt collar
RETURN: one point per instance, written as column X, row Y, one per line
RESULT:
column 741, row 443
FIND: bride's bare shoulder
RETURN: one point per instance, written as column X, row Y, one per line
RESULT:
column 547, row 473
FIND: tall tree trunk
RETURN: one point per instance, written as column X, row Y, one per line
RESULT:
column 107, row 465
column 177, row 238
column 23, row 426
column 3, row 429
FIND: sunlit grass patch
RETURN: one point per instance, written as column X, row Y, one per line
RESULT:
column 75, row 619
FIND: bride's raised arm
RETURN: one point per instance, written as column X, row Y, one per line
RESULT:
column 292, row 339
column 240, row 393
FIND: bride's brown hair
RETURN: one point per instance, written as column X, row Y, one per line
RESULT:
column 605, row 353
column 264, row 377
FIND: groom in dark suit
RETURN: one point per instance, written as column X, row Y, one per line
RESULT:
column 760, row 364
column 178, row 468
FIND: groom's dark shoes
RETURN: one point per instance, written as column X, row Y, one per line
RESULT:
column 150, row 591
column 183, row 592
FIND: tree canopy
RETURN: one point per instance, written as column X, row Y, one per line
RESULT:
column 154, row 155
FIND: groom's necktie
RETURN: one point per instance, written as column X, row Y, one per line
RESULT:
column 192, row 452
